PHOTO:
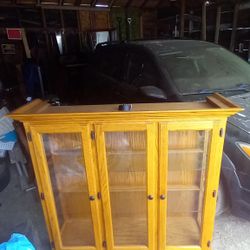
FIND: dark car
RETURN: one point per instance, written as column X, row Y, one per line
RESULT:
column 181, row 70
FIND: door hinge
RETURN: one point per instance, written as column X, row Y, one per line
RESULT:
column 104, row 243
column 221, row 132
column 92, row 135
column 214, row 193
column 99, row 196
column 29, row 138
column 52, row 244
column 209, row 243
column 42, row 196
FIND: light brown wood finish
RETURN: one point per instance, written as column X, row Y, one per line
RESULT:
column 111, row 228
column 212, row 182
column 152, row 150
column 71, row 227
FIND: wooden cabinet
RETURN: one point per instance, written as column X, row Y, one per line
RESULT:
column 137, row 180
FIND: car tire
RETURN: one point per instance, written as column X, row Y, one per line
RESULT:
column 4, row 174
column 222, row 199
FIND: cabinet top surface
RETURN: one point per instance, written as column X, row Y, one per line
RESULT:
column 214, row 105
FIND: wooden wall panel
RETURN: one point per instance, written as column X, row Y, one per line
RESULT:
column 94, row 20
column 100, row 20
column 85, row 20
column 149, row 24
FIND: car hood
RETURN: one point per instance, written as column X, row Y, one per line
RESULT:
column 242, row 119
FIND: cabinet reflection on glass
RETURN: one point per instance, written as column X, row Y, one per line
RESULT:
column 69, row 184
column 126, row 154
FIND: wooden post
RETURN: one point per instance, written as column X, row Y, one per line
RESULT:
column 234, row 28
column 217, row 26
column 141, row 26
column 79, row 29
column 63, row 32
column 25, row 44
column 127, row 25
column 204, row 22
column 46, row 31
column 182, row 19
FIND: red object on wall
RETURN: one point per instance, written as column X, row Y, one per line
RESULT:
column 14, row 34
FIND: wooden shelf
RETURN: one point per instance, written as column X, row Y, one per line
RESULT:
column 128, row 189
column 171, row 151
column 67, row 152
column 183, row 230
column 130, row 231
column 77, row 232
column 183, row 188
column 185, row 151
column 170, row 188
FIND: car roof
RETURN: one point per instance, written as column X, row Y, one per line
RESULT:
column 159, row 46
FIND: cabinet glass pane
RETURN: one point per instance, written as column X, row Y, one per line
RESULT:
column 69, row 183
column 127, row 165
column 187, row 163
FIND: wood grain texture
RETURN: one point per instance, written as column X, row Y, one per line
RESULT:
column 214, row 106
column 155, row 149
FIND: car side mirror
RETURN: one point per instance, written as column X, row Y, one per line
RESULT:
column 153, row 91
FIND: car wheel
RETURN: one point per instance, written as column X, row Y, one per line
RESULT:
column 222, row 200
column 4, row 174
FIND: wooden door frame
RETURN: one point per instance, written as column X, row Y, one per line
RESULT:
column 152, row 164
column 46, row 185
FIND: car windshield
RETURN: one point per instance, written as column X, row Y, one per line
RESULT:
column 204, row 69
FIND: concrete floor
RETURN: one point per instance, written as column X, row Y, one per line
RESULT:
column 21, row 212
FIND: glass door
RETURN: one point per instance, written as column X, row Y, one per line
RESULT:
column 128, row 165
column 70, row 186
column 184, row 149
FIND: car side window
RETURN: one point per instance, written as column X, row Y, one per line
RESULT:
column 141, row 71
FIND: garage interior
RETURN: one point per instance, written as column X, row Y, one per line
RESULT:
column 58, row 39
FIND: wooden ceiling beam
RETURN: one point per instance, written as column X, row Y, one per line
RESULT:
column 55, row 7
column 144, row 4
column 69, row 7
column 60, row 2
